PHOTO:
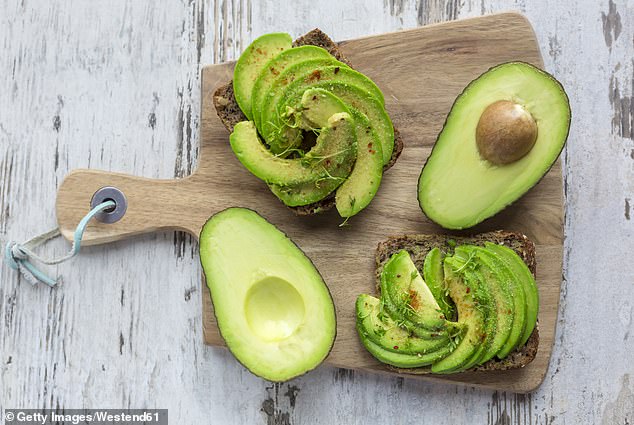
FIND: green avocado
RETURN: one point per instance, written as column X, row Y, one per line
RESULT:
column 275, row 126
column 384, row 331
column 251, row 63
column 434, row 277
column 277, row 65
column 317, row 108
column 331, row 158
column 485, row 302
column 359, row 99
column 273, row 308
column 359, row 189
column 502, row 135
column 497, row 278
column 518, row 298
column 524, row 276
column 274, row 92
column 400, row 360
column 469, row 297
column 407, row 296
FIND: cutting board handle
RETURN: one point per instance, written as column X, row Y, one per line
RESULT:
column 152, row 205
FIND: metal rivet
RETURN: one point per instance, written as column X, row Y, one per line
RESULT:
column 109, row 193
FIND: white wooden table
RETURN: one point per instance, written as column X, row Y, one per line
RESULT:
column 115, row 85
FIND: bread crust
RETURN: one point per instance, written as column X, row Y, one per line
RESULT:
column 419, row 245
column 230, row 113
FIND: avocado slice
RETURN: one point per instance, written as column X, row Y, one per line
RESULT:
column 407, row 296
column 523, row 275
column 384, row 331
column 251, row 63
column 275, row 128
column 435, row 278
column 502, row 274
column 359, row 189
column 276, row 90
column 359, row 99
column 502, row 135
column 484, row 301
column 273, row 308
column 330, row 159
column 400, row 360
column 277, row 65
column 317, row 108
column 497, row 278
column 469, row 297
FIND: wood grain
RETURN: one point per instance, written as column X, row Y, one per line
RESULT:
column 451, row 55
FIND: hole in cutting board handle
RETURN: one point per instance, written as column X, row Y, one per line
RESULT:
column 114, row 214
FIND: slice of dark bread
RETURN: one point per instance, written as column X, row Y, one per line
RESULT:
column 419, row 245
column 230, row 113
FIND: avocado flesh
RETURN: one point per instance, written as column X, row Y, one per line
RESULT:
column 273, row 308
column 359, row 99
column 317, row 108
column 496, row 276
column 404, row 361
column 434, row 277
column 364, row 181
column 275, row 127
column 274, row 92
column 474, row 319
column 518, row 298
column 331, row 158
column 407, row 294
column 252, row 61
column 457, row 188
column 483, row 301
column 277, row 65
column 384, row 331
column 362, row 184
column 527, row 281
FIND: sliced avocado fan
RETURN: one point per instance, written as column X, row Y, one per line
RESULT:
column 289, row 94
column 483, row 288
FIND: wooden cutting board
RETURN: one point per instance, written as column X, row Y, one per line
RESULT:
column 421, row 72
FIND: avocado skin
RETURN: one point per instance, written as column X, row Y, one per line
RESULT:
column 330, row 298
column 447, row 119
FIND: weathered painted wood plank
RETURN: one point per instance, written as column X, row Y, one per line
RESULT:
column 114, row 86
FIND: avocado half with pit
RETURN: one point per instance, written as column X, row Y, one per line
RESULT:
column 502, row 135
column 273, row 308
column 292, row 95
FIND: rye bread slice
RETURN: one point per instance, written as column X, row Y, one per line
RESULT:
column 230, row 113
column 419, row 245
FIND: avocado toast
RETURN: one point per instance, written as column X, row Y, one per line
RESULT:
column 418, row 247
column 362, row 111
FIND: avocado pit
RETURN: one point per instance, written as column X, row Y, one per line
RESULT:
column 505, row 132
